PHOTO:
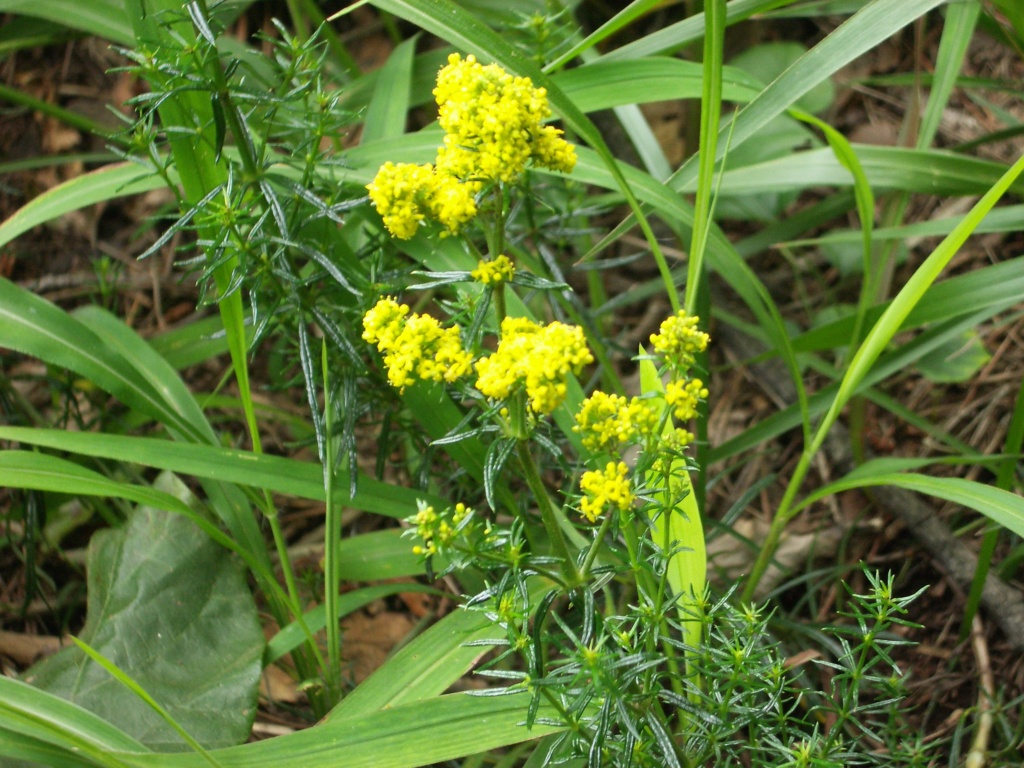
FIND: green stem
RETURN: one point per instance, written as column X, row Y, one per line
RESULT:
column 332, row 542
column 556, row 539
column 782, row 517
column 588, row 562
column 499, row 302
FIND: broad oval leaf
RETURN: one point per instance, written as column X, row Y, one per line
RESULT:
column 172, row 609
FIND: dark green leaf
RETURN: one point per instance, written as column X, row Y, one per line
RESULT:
column 172, row 609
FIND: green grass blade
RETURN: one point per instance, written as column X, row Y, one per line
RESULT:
column 682, row 33
column 389, row 105
column 602, row 84
column 190, row 344
column 424, row 668
column 1002, row 507
column 17, row 746
column 379, row 556
column 898, row 360
column 710, row 116
column 42, row 472
column 680, row 526
column 118, row 180
column 135, row 354
column 137, row 689
column 957, row 34
column 934, row 172
column 332, row 533
column 292, row 636
column 911, row 293
column 422, row 733
column 271, row 473
column 865, row 199
column 33, row 326
column 35, row 714
column 867, row 354
column 1006, row 218
column 1000, row 285
column 642, row 137
column 623, row 18
column 103, row 18
column 119, row 362
column 870, row 26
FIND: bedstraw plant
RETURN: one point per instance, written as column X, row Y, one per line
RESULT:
column 441, row 295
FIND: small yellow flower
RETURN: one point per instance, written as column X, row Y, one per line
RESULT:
column 605, row 488
column 437, row 531
column 494, row 272
column 684, row 396
column 426, row 523
column 609, row 421
column 536, row 357
column 678, row 341
column 415, row 346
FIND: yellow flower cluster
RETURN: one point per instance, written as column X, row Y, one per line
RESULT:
column 538, row 357
column 683, row 396
column 605, row 488
column 406, row 194
column 493, row 124
column 435, row 530
column 607, row 422
column 415, row 346
column 494, row 272
column 678, row 341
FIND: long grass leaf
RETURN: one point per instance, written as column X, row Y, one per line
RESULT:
column 682, row 33
column 1003, row 507
column 933, row 172
column 271, row 473
column 389, row 106
column 421, row 733
column 51, row 720
column 138, row 690
column 107, row 183
column 957, row 34
column 103, row 18
column 876, row 22
column 911, row 293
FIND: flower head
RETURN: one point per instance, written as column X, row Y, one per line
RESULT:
column 415, row 346
column 438, row 531
column 678, row 341
column 494, row 272
column 537, row 357
column 606, row 422
column 453, row 203
column 405, row 194
column 683, row 397
column 609, row 487
column 493, row 123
